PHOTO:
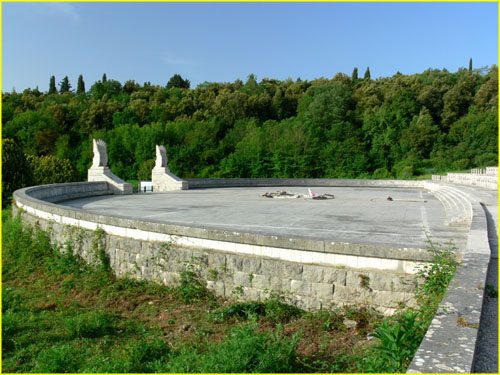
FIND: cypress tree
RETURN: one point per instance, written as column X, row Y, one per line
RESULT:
column 367, row 73
column 64, row 86
column 104, row 78
column 81, row 85
column 177, row 81
column 52, row 85
column 470, row 64
column 354, row 75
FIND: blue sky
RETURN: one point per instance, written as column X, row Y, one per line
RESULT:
column 224, row 41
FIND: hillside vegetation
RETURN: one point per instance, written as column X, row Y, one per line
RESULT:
column 344, row 127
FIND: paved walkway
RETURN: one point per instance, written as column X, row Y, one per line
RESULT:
column 486, row 356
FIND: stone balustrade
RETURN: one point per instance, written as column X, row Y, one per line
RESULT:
column 483, row 177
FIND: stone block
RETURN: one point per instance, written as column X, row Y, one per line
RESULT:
column 130, row 245
column 217, row 287
column 360, row 280
column 285, row 269
column 261, row 281
column 308, row 303
column 170, row 278
column 313, row 273
column 251, row 265
column 234, row 262
column 241, row 279
column 292, row 271
column 279, row 284
column 323, row 291
column 251, row 294
column 389, row 299
column 146, row 249
column 301, row 288
column 345, row 294
column 271, row 267
column 216, row 261
column 334, row 275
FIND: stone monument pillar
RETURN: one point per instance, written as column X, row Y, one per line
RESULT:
column 99, row 171
column 162, row 178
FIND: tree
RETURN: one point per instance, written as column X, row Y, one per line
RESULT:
column 81, row 85
column 367, row 73
column 64, row 86
column 251, row 86
column 16, row 173
column 52, row 85
column 176, row 81
column 104, row 78
column 51, row 170
column 470, row 64
column 354, row 75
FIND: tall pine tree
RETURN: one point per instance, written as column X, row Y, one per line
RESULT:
column 354, row 76
column 367, row 73
column 52, row 85
column 64, row 86
column 470, row 65
column 104, row 78
column 81, row 85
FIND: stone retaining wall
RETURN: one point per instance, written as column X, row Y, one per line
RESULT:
column 315, row 274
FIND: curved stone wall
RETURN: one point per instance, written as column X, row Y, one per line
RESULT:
column 315, row 274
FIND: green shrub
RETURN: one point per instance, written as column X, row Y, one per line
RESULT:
column 142, row 354
column 398, row 340
column 240, row 310
column 23, row 249
column 90, row 324
column 59, row 358
column 244, row 350
column 192, row 288
column 437, row 273
column 51, row 170
column 16, row 172
column 274, row 309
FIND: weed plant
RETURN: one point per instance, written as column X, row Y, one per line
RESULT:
column 274, row 309
column 399, row 337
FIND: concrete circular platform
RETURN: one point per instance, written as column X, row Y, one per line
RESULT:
column 360, row 215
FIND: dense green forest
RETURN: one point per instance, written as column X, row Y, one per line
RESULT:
column 344, row 127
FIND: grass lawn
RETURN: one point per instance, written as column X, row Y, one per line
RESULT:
column 60, row 315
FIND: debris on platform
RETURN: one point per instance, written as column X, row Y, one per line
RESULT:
column 283, row 194
column 389, row 198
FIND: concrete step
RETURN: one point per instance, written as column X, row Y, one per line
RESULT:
column 456, row 204
column 463, row 202
column 447, row 204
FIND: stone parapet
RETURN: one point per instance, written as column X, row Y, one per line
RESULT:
column 199, row 183
column 116, row 184
column 472, row 179
column 164, row 180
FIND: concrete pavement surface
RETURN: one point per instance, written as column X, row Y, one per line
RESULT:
column 358, row 215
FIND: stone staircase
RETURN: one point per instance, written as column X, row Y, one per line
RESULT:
column 456, row 203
